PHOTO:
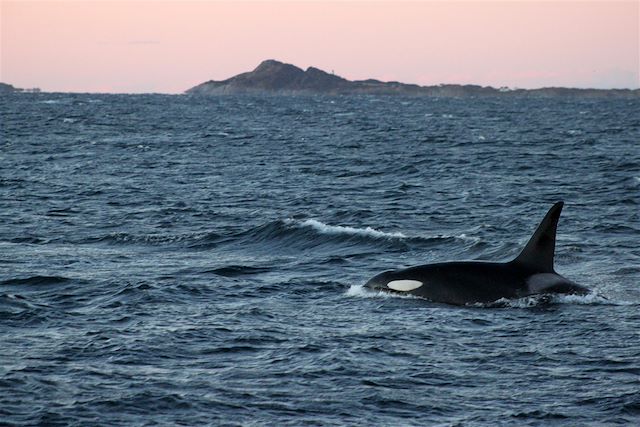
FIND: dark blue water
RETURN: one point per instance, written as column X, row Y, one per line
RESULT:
column 183, row 261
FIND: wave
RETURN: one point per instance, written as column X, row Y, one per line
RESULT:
column 285, row 233
column 338, row 229
column 313, row 234
column 238, row 270
column 33, row 240
column 35, row 281
column 371, row 235
column 304, row 234
column 150, row 239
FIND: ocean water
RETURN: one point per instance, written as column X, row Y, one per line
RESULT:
column 172, row 260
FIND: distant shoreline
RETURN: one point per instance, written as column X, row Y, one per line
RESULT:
column 275, row 77
column 7, row 88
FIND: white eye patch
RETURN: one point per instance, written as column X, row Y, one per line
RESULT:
column 404, row 285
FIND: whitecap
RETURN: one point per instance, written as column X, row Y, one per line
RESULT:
column 323, row 228
column 466, row 238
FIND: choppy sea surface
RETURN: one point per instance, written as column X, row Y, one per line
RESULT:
column 172, row 260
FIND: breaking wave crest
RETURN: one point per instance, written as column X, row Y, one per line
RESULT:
column 313, row 234
column 281, row 234
column 338, row 229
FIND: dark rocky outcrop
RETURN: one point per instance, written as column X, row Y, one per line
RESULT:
column 275, row 77
column 7, row 88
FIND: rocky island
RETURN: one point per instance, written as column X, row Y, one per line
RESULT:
column 275, row 77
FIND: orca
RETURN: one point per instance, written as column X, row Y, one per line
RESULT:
column 471, row 282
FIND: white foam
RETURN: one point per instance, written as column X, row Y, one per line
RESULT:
column 360, row 291
column 338, row 229
column 539, row 299
column 323, row 228
column 589, row 299
column 525, row 302
column 463, row 236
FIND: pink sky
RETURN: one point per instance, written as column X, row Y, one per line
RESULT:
column 169, row 46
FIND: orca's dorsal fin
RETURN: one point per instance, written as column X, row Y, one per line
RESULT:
column 539, row 251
